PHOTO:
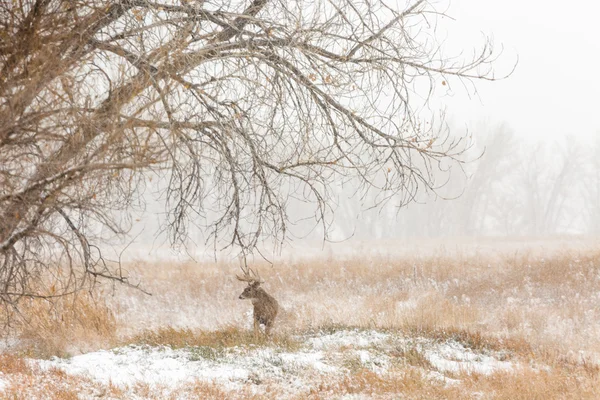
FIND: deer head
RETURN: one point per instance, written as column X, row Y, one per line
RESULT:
column 254, row 281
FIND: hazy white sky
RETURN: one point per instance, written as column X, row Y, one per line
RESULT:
column 555, row 89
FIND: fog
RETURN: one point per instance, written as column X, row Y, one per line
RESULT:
column 422, row 175
column 552, row 92
column 508, row 188
column 532, row 168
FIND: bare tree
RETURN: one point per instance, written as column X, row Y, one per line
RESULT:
column 477, row 204
column 590, row 189
column 547, row 185
column 242, row 106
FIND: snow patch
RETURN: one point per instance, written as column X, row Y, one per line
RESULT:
column 321, row 355
column 355, row 339
column 3, row 382
column 454, row 357
column 164, row 366
column 128, row 365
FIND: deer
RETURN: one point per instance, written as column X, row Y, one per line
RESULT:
column 265, row 305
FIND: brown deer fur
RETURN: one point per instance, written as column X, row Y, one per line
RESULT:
column 265, row 306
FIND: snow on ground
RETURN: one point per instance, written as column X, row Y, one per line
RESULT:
column 3, row 382
column 454, row 357
column 323, row 354
column 347, row 338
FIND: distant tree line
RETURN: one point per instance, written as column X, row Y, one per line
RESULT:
column 515, row 188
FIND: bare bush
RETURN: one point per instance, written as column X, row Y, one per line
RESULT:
column 240, row 106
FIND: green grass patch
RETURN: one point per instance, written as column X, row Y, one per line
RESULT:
column 223, row 338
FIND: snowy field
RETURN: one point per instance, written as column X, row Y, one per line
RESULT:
column 515, row 321
column 271, row 370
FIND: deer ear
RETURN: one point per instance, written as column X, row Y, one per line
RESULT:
column 255, row 284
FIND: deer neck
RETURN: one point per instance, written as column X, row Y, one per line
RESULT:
column 261, row 295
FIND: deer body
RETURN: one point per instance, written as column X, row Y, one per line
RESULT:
column 265, row 306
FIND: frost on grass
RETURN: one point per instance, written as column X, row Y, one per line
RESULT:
column 320, row 356
column 346, row 338
column 455, row 358
column 3, row 382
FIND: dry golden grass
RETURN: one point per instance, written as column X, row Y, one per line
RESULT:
column 211, row 391
column 228, row 337
column 34, row 384
column 25, row 381
column 540, row 308
column 410, row 356
column 408, row 383
column 529, row 384
column 67, row 325
column 12, row 364
column 545, row 301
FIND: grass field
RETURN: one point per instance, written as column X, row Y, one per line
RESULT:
column 502, row 320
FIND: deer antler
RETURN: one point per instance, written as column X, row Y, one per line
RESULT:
column 249, row 275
